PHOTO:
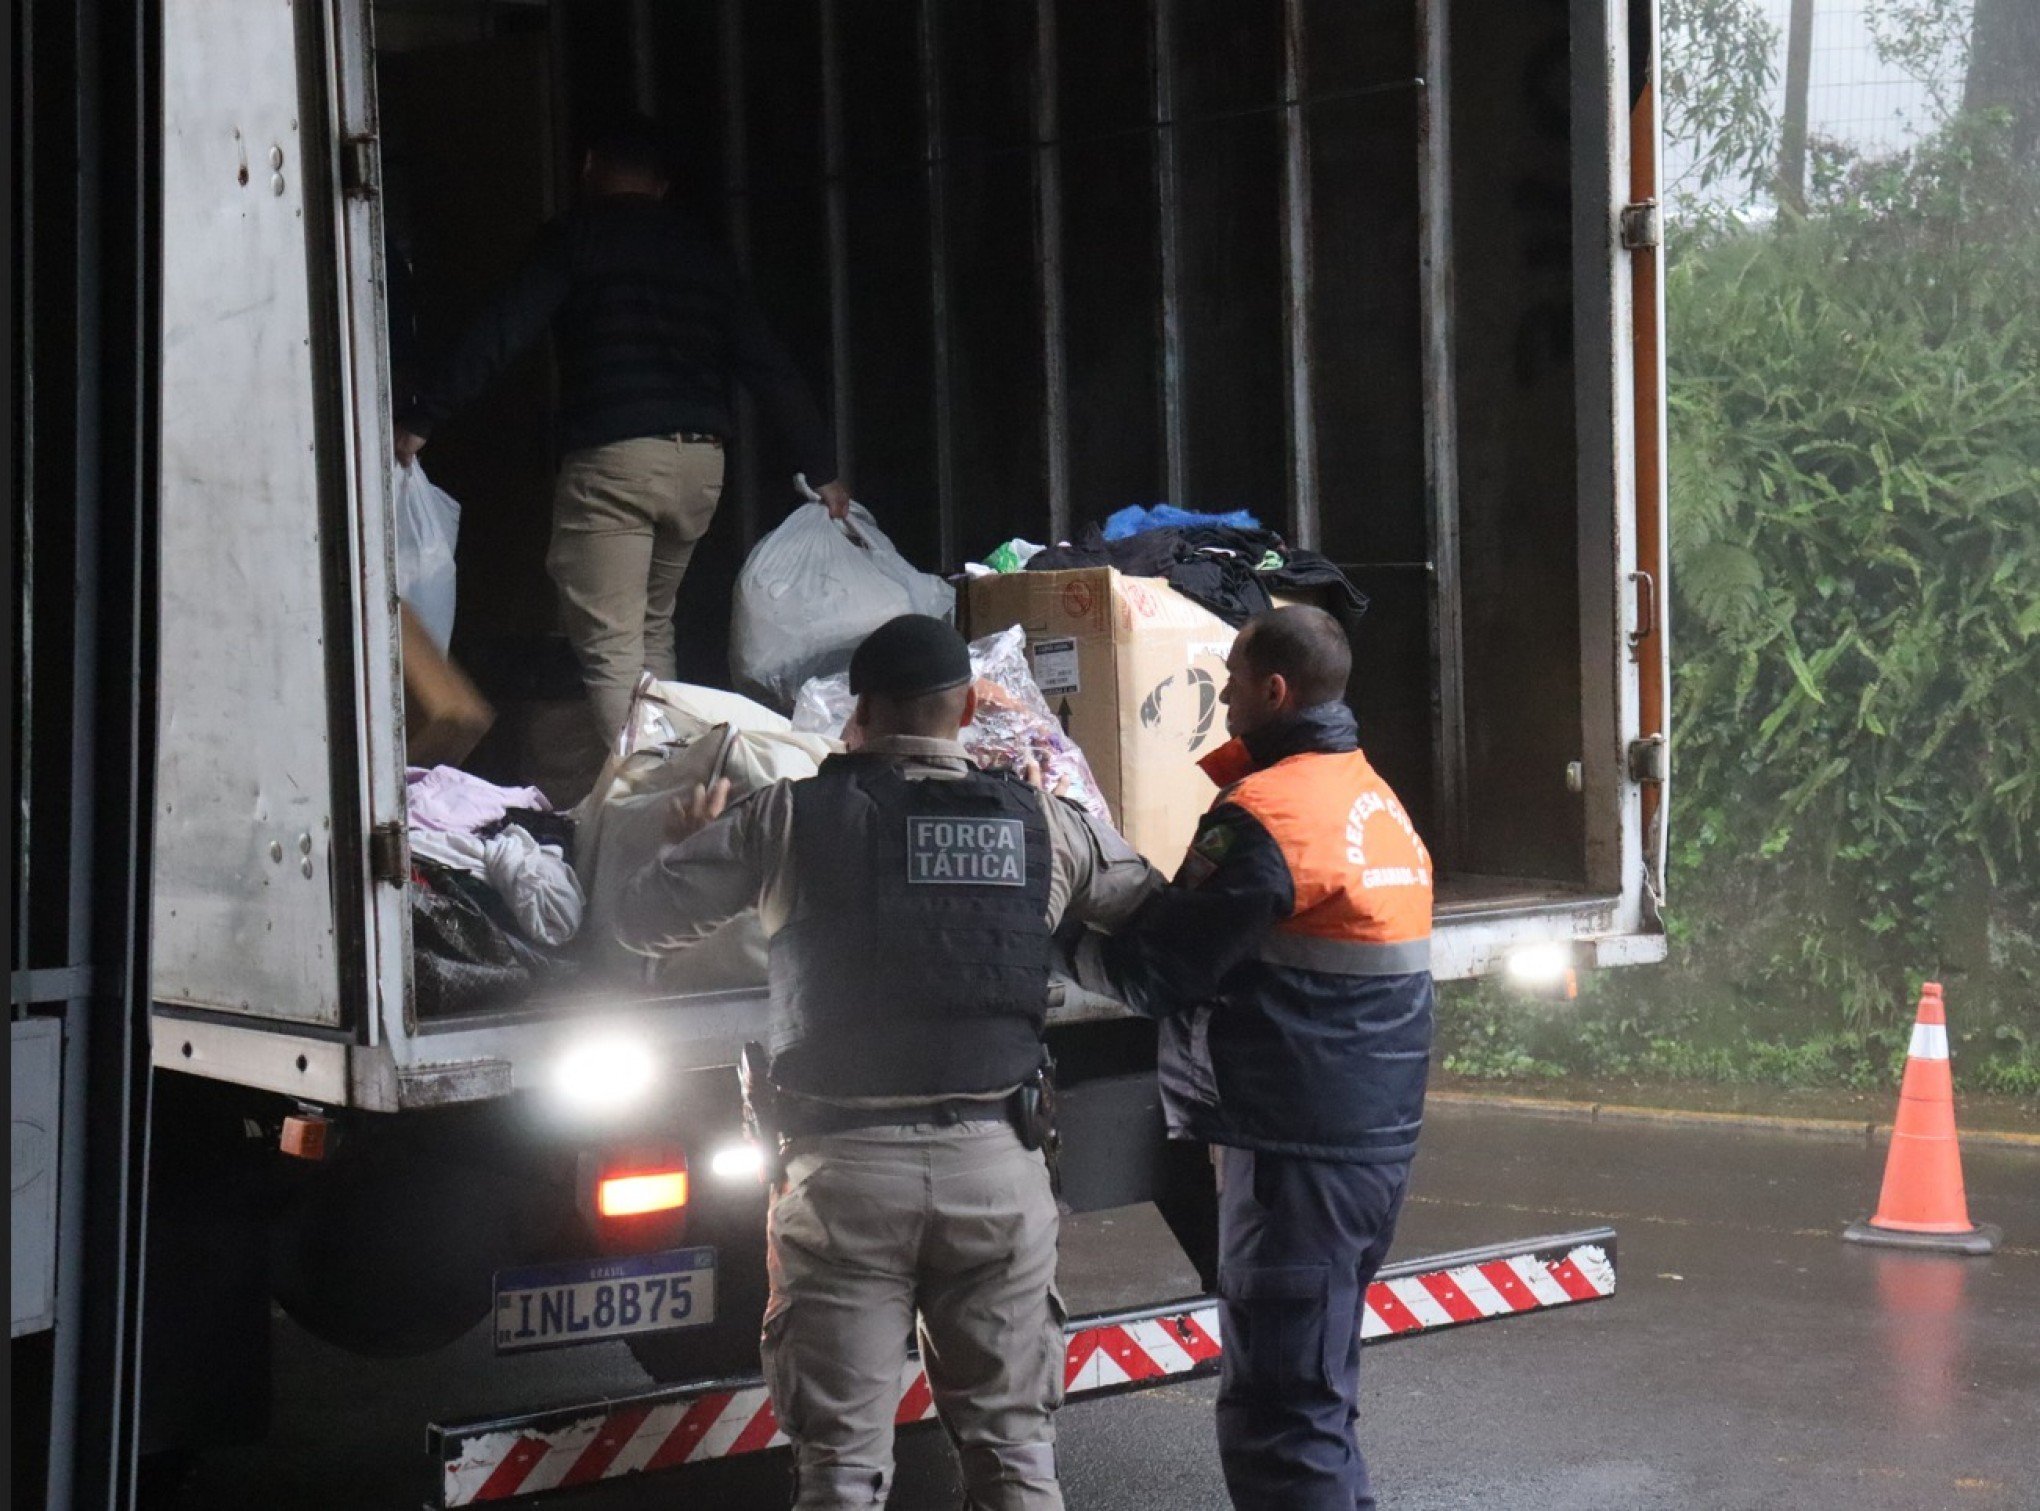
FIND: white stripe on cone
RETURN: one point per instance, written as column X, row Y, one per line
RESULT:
column 1930, row 1041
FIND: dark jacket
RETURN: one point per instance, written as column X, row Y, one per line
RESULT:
column 1289, row 961
column 651, row 324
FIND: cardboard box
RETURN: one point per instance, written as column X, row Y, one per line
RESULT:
column 444, row 716
column 1133, row 669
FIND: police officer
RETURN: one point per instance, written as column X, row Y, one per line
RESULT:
column 1289, row 963
column 910, row 900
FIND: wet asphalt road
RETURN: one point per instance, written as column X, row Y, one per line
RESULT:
column 1750, row 1359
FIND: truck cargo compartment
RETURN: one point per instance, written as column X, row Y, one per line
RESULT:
column 1354, row 268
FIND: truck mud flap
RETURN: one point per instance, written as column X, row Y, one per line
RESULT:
column 506, row 1458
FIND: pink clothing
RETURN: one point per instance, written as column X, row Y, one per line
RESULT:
column 453, row 802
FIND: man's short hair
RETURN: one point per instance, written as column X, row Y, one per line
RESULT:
column 1306, row 646
column 633, row 145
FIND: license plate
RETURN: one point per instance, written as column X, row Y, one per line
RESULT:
column 590, row 1300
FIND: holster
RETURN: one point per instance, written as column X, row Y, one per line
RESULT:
column 1034, row 1118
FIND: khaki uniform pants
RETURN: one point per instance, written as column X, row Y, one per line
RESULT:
column 955, row 1224
column 626, row 518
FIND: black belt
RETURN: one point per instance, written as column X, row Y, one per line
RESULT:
column 701, row 438
column 805, row 1119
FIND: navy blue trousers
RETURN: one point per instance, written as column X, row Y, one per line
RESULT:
column 1299, row 1241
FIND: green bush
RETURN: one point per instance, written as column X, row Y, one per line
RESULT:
column 1854, row 411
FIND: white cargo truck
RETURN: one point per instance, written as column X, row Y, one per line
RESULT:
column 1386, row 274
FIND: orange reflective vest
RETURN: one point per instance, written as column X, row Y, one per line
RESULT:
column 1361, row 873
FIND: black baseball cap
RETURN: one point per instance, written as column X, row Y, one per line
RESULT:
column 910, row 657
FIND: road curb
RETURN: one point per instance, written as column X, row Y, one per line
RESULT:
column 1840, row 1130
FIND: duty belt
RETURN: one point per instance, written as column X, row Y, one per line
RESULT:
column 801, row 1118
column 771, row 1116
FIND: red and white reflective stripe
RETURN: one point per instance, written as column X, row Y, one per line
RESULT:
column 1476, row 1292
column 503, row 1461
column 1929, row 1041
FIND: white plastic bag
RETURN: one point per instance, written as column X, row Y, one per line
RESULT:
column 811, row 591
column 428, row 526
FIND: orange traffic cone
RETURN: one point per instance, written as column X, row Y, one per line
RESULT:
column 1922, row 1205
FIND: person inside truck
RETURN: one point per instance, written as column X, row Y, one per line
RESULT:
column 911, row 899
column 1289, row 964
column 651, row 326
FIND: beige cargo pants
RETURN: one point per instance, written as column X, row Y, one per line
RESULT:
column 626, row 518
column 955, row 1224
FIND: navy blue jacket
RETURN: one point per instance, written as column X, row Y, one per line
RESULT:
column 1289, row 960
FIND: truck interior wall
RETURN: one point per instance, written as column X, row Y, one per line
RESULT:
column 929, row 333
column 1111, row 225
column 466, row 189
column 889, row 315
column 471, row 117
column 1367, row 372
column 1519, row 497
column 1226, row 56
column 993, row 285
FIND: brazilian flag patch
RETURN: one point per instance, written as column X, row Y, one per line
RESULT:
column 1207, row 853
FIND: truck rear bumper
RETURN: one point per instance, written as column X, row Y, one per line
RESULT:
column 507, row 1458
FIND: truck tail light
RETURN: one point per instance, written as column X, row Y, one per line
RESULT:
column 638, row 1193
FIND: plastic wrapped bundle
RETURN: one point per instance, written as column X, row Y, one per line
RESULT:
column 1013, row 725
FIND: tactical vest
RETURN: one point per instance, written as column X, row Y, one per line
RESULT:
column 915, row 960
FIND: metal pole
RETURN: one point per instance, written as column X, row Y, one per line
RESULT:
column 1169, row 239
column 71, row 1424
column 933, row 116
column 1798, row 71
column 1441, row 420
column 836, row 214
column 94, row 1427
column 1296, row 284
column 24, row 609
column 1049, row 248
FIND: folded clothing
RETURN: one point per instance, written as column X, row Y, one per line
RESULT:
column 450, row 800
column 1231, row 571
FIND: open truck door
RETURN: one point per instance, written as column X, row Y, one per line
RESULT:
column 279, row 788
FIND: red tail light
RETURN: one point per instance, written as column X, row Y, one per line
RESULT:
column 641, row 1192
